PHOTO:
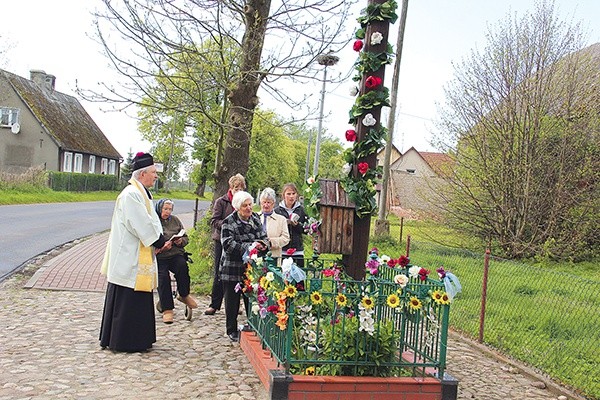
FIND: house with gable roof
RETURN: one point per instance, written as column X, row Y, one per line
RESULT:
column 416, row 178
column 41, row 127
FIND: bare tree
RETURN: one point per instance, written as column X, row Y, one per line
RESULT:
column 146, row 39
column 521, row 119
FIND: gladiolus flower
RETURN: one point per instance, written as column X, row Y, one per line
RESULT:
column 358, row 45
column 351, row 135
column 363, row 167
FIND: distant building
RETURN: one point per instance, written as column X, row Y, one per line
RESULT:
column 416, row 178
column 40, row 127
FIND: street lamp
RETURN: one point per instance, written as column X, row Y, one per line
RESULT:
column 326, row 60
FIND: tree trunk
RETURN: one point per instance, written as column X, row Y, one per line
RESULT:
column 243, row 96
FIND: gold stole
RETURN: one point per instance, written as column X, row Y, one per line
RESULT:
column 146, row 279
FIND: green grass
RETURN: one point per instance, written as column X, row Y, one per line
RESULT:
column 37, row 195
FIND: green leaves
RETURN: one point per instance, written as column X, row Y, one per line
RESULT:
column 370, row 62
column 379, row 12
column 368, row 101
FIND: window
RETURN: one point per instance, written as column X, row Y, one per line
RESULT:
column 68, row 162
column 410, row 171
column 92, row 164
column 78, row 163
column 9, row 116
column 111, row 167
column 103, row 166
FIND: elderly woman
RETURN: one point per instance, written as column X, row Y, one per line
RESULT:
column 173, row 259
column 274, row 224
column 241, row 232
column 221, row 209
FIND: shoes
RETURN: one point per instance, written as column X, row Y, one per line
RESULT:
column 234, row 336
column 210, row 311
column 247, row 328
column 188, row 300
column 168, row 316
column 159, row 307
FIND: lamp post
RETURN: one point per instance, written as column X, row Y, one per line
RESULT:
column 326, row 60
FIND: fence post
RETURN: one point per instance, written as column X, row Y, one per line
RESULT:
column 401, row 227
column 196, row 213
column 407, row 245
column 486, row 266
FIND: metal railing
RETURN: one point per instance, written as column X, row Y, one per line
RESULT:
column 545, row 318
column 340, row 326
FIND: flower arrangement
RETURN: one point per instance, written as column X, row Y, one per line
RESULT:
column 342, row 320
column 359, row 179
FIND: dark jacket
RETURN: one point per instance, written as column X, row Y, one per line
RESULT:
column 222, row 208
column 172, row 226
column 237, row 237
column 296, row 231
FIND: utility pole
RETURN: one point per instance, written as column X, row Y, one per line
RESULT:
column 382, row 225
column 325, row 60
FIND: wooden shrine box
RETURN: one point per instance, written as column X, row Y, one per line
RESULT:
column 337, row 215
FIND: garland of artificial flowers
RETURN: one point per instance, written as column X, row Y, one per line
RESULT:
column 361, row 189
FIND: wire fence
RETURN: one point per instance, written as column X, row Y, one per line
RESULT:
column 547, row 319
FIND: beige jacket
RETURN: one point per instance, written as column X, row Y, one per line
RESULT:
column 277, row 232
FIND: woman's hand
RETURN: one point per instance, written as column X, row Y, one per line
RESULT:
column 178, row 241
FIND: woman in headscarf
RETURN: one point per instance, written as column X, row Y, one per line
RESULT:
column 172, row 259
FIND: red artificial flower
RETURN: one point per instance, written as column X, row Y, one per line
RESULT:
column 373, row 81
column 423, row 274
column 392, row 263
column 351, row 135
column 358, row 45
column 290, row 251
column 273, row 308
column 403, row 261
column 363, row 167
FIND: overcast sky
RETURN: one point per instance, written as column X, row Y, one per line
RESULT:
column 54, row 36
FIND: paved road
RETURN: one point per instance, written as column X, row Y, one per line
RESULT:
column 31, row 229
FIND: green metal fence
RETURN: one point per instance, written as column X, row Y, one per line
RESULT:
column 547, row 319
column 339, row 326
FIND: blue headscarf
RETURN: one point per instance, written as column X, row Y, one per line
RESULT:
column 159, row 205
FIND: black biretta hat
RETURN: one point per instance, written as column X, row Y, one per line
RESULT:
column 142, row 160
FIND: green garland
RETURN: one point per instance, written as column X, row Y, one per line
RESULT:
column 371, row 62
column 379, row 12
column 364, row 103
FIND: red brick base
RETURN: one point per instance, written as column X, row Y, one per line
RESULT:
column 301, row 387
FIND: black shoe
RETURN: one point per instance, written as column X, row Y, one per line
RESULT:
column 246, row 328
column 234, row 336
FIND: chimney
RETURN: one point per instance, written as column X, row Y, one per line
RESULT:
column 42, row 79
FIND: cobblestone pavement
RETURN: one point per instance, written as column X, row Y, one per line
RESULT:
column 49, row 349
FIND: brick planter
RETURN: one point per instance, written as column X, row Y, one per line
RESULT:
column 282, row 386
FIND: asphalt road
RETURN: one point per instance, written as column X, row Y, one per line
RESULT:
column 31, row 229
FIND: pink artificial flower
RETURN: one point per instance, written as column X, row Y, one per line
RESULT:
column 441, row 272
column 351, row 135
column 358, row 45
column 363, row 167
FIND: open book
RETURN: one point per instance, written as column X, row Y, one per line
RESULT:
column 178, row 235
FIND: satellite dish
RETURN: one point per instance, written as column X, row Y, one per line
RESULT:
column 15, row 128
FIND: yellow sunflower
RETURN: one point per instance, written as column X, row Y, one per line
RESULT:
column 437, row 296
column 445, row 298
column 414, row 303
column 290, row 291
column 316, row 298
column 368, row 302
column 393, row 300
column 309, row 371
column 341, row 300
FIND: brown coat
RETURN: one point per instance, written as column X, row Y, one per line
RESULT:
column 222, row 208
